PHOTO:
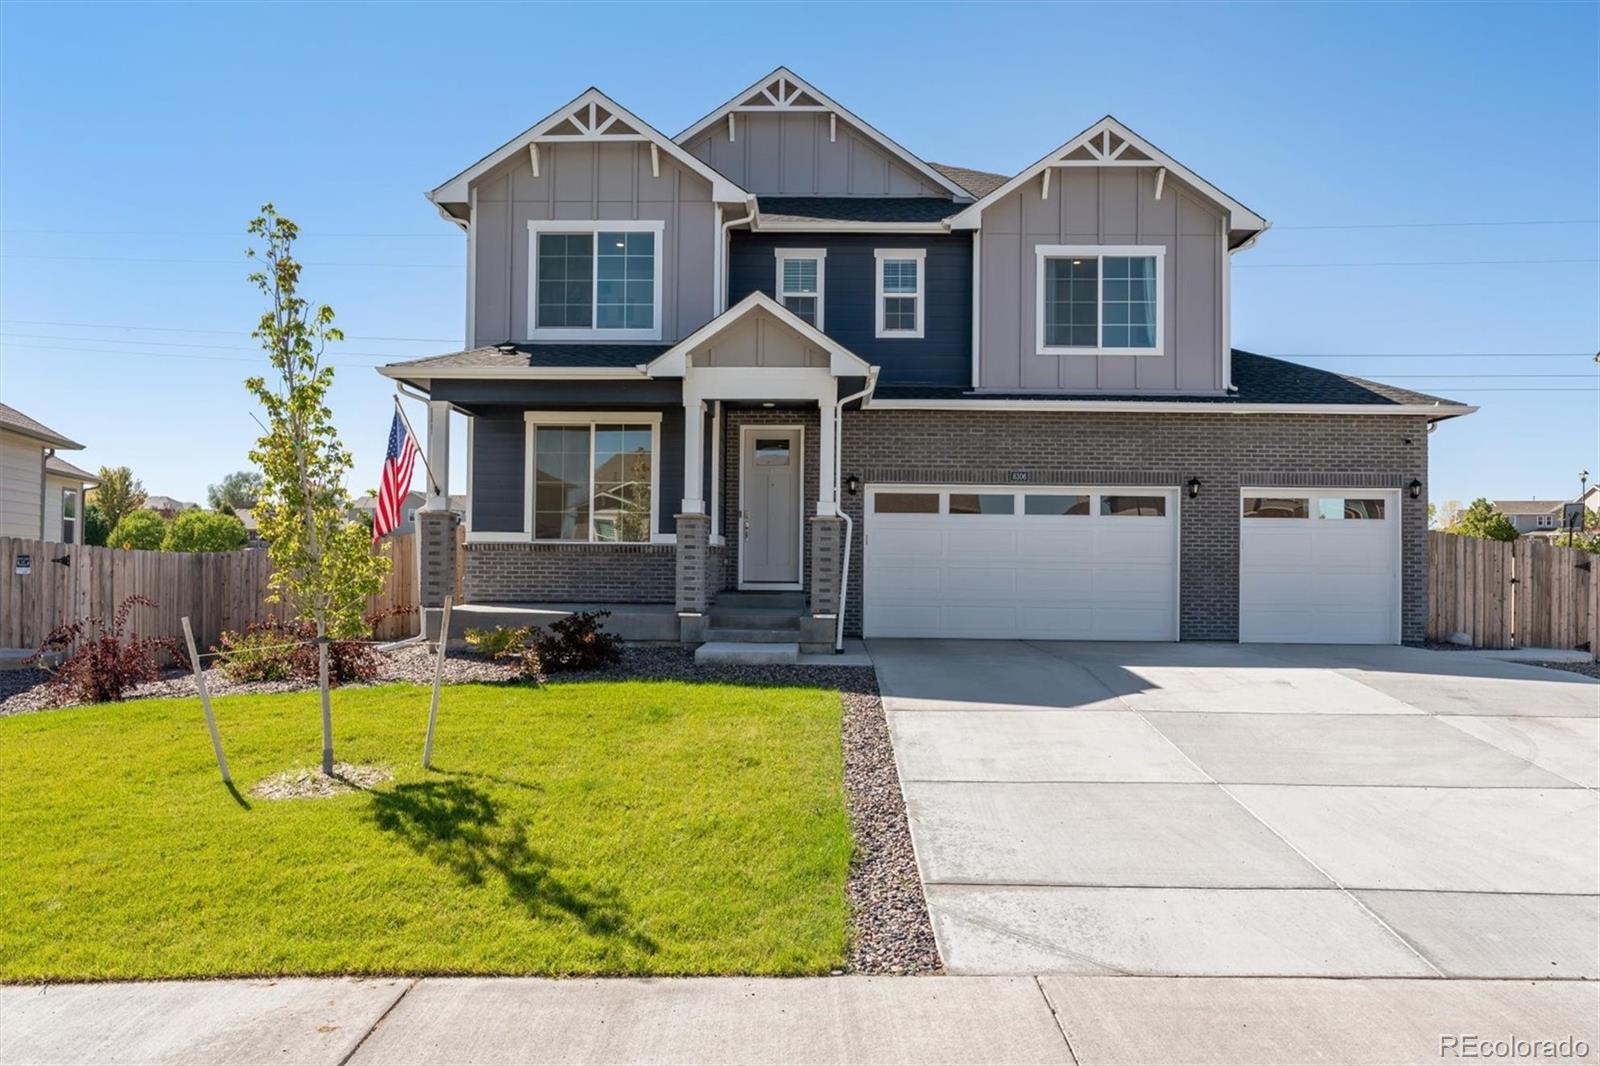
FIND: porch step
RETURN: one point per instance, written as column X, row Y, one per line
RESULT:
column 755, row 634
column 746, row 611
column 754, row 617
column 744, row 653
column 772, row 601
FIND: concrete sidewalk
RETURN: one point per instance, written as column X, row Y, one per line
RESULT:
column 1084, row 1020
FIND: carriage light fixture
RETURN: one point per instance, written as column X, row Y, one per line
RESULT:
column 1194, row 488
column 1415, row 488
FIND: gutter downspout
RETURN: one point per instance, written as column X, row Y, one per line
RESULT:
column 719, row 299
column 44, row 487
column 838, row 495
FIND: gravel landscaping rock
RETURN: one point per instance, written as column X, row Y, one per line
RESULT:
column 890, row 932
column 1588, row 669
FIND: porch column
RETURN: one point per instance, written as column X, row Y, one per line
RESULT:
column 827, row 476
column 438, row 456
column 694, row 443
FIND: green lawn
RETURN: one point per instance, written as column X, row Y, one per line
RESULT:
column 616, row 827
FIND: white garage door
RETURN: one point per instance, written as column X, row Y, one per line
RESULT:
column 1319, row 566
column 1045, row 563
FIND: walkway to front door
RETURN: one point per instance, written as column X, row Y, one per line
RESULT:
column 771, row 465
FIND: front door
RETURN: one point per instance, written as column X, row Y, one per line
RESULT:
column 769, row 504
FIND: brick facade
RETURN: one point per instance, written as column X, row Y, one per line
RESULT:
column 436, row 555
column 1225, row 451
column 570, row 573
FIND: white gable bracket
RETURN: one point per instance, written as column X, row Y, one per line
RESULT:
column 533, row 157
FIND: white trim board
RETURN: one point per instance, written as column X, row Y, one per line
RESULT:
column 1434, row 411
column 455, row 190
column 1240, row 216
column 674, row 362
column 783, row 79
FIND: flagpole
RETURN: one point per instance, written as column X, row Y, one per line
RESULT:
column 433, row 481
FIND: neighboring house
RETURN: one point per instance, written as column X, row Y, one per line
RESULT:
column 940, row 401
column 367, row 506
column 1532, row 516
column 41, row 495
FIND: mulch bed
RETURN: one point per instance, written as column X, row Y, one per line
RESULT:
column 890, row 931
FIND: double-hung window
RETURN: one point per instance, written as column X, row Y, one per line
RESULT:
column 1099, row 300
column 800, row 289
column 594, row 280
column 900, row 291
column 593, row 478
column 69, row 516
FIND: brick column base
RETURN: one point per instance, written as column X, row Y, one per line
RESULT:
column 827, row 544
column 694, row 536
column 436, row 539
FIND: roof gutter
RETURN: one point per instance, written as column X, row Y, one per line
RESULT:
column 1431, row 411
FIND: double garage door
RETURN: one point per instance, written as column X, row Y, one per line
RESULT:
column 1101, row 563
column 1050, row 564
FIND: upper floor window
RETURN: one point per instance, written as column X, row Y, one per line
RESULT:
column 900, row 291
column 1098, row 300
column 594, row 280
column 800, row 273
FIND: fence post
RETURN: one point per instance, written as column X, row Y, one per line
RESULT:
column 205, row 701
column 438, row 678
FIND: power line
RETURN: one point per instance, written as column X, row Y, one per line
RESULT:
column 1433, row 355
column 220, row 332
column 178, row 344
column 1449, row 225
column 186, row 355
column 1418, row 263
column 241, row 261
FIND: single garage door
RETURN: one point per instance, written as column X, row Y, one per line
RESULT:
column 1047, row 563
column 1319, row 566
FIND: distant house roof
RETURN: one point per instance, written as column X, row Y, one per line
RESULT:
column 16, row 422
column 814, row 210
column 414, row 498
column 1258, row 380
column 57, row 465
column 168, row 503
column 979, row 183
column 1528, row 506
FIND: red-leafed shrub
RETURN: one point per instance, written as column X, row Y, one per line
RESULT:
column 577, row 643
column 102, row 662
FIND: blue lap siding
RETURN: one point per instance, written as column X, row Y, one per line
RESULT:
column 942, row 356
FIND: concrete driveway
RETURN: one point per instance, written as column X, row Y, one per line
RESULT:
column 1204, row 809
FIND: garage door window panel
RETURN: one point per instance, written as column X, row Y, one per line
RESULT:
column 1276, row 507
column 982, row 503
column 1053, row 505
column 906, row 503
column 1342, row 508
column 1133, row 506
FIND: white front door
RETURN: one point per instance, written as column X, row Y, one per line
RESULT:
column 1068, row 563
column 770, row 467
column 1319, row 566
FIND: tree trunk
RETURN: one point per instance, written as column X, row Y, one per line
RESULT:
column 327, row 707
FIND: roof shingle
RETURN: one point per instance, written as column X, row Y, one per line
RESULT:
column 531, row 355
column 868, row 209
column 17, row 422
column 979, row 183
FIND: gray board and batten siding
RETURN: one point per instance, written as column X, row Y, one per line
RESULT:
column 1104, row 206
column 584, row 182
column 793, row 155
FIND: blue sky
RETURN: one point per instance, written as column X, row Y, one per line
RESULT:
column 135, row 142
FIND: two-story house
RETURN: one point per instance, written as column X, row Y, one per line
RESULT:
column 780, row 354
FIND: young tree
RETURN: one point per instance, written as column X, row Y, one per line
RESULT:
column 238, row 490
column 118, row 494
column 204, row 531
column 141, row 530
column 1482, row 520
column 95, row 527
column 323, row 565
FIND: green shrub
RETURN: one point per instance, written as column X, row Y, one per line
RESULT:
column 277, row 650
column 95, row 527
column 204, row 531
column 501, row 642
column 140, row 530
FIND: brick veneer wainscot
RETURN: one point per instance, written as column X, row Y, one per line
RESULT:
column 569, row 573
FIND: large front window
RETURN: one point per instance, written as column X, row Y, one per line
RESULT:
column 1099, row 301
column 595, row 280
column 593, row 480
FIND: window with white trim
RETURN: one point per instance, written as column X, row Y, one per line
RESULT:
column 1098, row 300
column 900, row 291
column 594, row 280
column 69, row 516
column 593, row 479
column 800, row 282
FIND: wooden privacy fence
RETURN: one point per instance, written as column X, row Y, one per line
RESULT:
column 217, row 590
column 1523, row 594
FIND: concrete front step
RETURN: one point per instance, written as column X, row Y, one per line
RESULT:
column 745, row 653
column 754, row 617
column 755, row 634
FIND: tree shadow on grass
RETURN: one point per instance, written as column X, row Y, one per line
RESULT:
column 459, row 828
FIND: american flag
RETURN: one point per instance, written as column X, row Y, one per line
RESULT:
column 396, row 481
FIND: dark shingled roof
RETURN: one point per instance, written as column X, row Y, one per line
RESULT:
column 57, row 465
column 528, row 354
column 17, row 422
column 855, row 208
column 1258, row 379
column 979, row 183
